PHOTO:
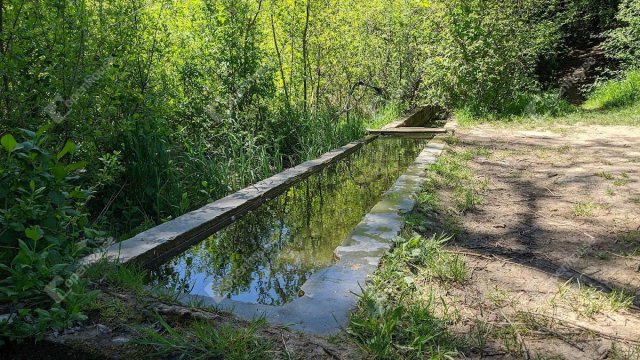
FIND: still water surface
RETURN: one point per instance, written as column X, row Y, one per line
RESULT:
column 266, row 256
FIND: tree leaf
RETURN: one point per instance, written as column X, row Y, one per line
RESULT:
column 68, row 148
column 34, row 233
column 8, row 142
column 29, row 133
column 60, row 172
column 76, row 166
column 43, row 130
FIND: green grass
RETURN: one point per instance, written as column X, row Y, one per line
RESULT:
column 465, row 199
column 500, row 297
column 605, row 175
column 530, row 104
column 619, row 352
column 202, row 340
column 629, row 116
column 615, row 93
column 406, row 331
column 622, row 180
column 393, row 319
column 114, row 309
column 585, row 209
column 452, row 172
column 630, row 237
column 616, row 102
column 391, row 112
column 120, row 276
column 434, row 262
column 588, row 301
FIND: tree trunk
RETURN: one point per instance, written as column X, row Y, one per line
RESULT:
column 305, row 56
column 284, row 79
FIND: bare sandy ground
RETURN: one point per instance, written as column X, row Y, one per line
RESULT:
column 556, row 237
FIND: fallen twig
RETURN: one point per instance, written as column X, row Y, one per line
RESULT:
column 286, row 350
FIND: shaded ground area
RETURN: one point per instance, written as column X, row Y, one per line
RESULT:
column 553, row 248
column 121, row 329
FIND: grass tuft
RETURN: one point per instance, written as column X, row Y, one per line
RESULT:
column 392, row 321
column 121, row 276
column 585, row 209
column 452, row 171
column 615, row 93
column 202, row 340
column 406, row 330
column 588, row 301
column 605, row 175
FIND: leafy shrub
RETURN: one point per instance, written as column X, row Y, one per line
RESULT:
column 43, row 231
column 481, row 57
column 615, row 93
column 623, row 42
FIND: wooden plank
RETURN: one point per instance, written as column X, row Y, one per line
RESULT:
column 408, row 130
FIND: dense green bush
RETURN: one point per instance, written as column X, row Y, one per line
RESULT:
column 44, row 229
column 615, row 93
column 483, row 53
column 623, row 42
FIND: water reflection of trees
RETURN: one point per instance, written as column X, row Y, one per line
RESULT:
column 271, row 252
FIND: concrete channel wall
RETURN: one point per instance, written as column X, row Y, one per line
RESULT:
column 173, row 237
column 329, row 296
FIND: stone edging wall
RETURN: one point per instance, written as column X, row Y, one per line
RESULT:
column 169, row 239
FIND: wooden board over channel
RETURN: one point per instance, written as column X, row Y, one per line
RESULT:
column 409, row 131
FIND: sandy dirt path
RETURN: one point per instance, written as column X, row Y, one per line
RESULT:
column 554, row 247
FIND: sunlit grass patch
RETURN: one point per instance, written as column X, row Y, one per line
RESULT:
column 405, row 330
column 621, row 182
column 587, row 301
column 626, row 115
column 452, row 171
column 388, row 114
column 479, row 335
column 586, row 209
column 510, row 336
column 615, row 93
column 619, row 352
column 465, row 199
column 202, row 340
column 428, row 258
column 500, row 298
column 605, row 175
column 429, row 200
column 394, row 318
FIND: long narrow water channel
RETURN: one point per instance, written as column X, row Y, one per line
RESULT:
column 265, row 257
